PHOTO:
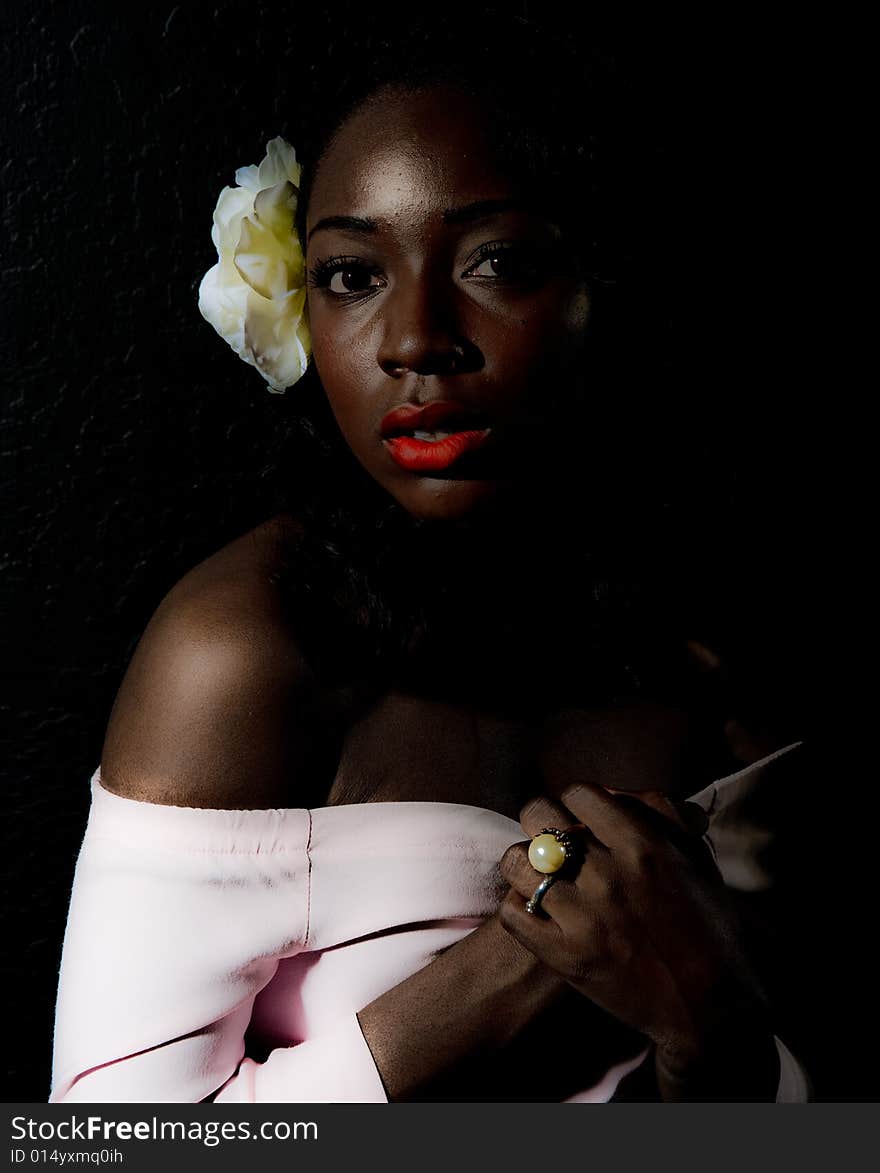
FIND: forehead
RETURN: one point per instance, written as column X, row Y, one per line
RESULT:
column 404, row 154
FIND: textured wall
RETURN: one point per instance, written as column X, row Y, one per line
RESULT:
column 134, row 437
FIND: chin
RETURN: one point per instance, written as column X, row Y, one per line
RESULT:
column 436, row 499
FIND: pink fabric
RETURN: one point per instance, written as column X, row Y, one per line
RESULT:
column 188, row 928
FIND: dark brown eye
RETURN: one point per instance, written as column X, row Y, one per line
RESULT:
column 352, row 279
column 505, row 263
column 494, row 266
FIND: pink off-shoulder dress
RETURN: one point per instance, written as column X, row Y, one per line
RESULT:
column 190, row 929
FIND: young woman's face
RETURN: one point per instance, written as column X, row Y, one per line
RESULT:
column 446, row 315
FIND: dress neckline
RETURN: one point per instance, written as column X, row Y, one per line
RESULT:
column 312, row 810
column 708, row 797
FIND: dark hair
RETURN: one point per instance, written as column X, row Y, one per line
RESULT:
column 556, row 112
column 362, row 577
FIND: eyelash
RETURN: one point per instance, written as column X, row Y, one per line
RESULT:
column 495, row 248
column 323, row 272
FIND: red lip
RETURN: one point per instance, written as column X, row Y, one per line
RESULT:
column 430, row 416
column 468, row 434
column 434, row 455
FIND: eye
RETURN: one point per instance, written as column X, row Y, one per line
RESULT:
column 504, row 261
column 495, row 266
column 346, row 277
column 353, row 279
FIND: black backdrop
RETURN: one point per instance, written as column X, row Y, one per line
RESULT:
column 136, row 438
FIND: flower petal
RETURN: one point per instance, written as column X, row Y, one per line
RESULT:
column 234, row 203
column 273, row 338
column 224, row 305
column 280, row 163
column 248, row 177
column 276, row 207
column 254, row 295
column 266, row 263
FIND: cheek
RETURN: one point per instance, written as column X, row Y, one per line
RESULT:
column 343, row 365
column 545, row 335
column 562, row 319
column 331, row 345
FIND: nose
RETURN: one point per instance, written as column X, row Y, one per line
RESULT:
column 423, row 333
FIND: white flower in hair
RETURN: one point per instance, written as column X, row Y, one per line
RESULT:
column 255, row 295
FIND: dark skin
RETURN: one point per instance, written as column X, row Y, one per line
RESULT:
column 443, row 284
column 433, row 310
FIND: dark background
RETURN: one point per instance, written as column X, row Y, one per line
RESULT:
column 135, row 441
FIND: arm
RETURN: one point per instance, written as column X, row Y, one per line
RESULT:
column 163, row 955
column 448, row 1032
column 483, row 995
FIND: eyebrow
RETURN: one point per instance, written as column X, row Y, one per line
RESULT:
column 466, row 214
column 346, row 223
column 481, row 210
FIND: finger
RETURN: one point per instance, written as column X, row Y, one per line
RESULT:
column 566, row 899
column 613, row 820
column 542, row 812
column 656, row 816
column 687, row 816
column 539, row 934
column 524, row 879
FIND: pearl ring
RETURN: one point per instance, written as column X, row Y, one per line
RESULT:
column 549, row 852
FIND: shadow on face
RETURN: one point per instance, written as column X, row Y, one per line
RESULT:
column 447, row 314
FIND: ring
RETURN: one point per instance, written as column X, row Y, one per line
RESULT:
column 534, row 904
column 552, row 849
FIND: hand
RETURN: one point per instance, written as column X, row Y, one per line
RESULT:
column 645, row 929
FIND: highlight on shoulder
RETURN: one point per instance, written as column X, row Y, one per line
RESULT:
column 214, row 709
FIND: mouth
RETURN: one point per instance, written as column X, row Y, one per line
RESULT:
column 435, row 451
column 433, row 437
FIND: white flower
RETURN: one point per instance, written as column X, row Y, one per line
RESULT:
column 255, row 296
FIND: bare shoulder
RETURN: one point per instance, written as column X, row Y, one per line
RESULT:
column 216, row 708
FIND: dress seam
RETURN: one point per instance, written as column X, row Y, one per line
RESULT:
column 309, row 882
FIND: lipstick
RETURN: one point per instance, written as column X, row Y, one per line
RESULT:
column 432, row 437
column 417, row 455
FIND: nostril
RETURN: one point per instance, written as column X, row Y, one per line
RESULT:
column 443, row 362
column 453, row 358
column 392, row 367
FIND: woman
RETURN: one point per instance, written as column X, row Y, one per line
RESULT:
column 306, row 873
